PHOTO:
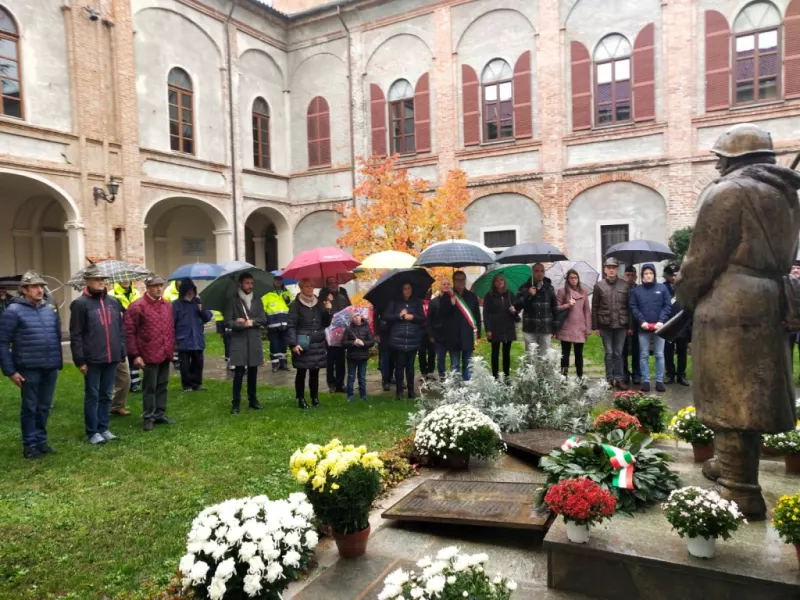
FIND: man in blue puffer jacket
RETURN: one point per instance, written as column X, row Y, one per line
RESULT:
column 30, row 355
column 651, row 307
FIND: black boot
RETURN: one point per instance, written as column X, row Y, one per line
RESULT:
column 682, row 380
column 275, row 366
column 235, row 408
column 565, row 371
column 315, row 402
column 254, row 405
column 284, row 365
column 670, row 379
column 301, row 403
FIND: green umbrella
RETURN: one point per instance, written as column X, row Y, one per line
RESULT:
column 515, row 276
column 219, row 292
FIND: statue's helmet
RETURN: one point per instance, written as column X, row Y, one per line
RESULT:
column 743, row 139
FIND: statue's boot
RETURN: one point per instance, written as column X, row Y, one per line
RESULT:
column 738, row 454
column 711, row 469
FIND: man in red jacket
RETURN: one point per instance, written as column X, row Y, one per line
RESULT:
column 150, row 337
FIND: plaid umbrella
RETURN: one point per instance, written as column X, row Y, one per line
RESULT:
column 456, row 253
column 113, row 271
column 639, row 251
column 531, row 252
column 558, row 273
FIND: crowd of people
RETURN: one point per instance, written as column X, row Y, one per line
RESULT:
column 122, row 339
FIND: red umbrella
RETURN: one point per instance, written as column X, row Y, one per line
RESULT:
column 321, row 263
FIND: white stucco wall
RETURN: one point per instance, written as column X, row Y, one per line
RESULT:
column 504, row 211
column 316, row 230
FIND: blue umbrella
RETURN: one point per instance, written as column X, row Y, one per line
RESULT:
column 286, row 280
column 235, row 265
column 197, row 272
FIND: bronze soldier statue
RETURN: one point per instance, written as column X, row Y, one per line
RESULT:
column 744, row 242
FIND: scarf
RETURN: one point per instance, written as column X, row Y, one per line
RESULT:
column 309, row 301
column 247, row 299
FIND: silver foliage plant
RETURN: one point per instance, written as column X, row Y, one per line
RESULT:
column 536, row 396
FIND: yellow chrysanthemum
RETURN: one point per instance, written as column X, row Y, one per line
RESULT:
column 302, row 476
column 334, row 486
column 318, row 483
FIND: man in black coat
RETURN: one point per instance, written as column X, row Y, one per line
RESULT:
column 97, row 342
column 631, row 364
column 537, row 301
column 460, row 323
column 335, row 371
column 680, row 347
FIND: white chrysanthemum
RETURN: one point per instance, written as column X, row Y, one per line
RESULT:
column 312, row 539
column 200, row 534
column 417, row 593
column 511, row 585
column 250, row 510
column 274, row 571
column 397, row 578
column 217, row 589
column 199, row 572
column 447, row 553
column 220, row 550
column 292, row 559
column 252, row 585
column 292, row 539
column 435, row 585
column 225, row 569
column 186, row 564
column 462, row 563
column 247, row 550
column 256, row 565
column 389, row 592
column 424, row 562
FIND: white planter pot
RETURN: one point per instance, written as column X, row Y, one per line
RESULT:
column 702, row 547
column 578, row 534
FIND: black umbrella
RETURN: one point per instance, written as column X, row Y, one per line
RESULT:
column 390, row 286
column 531, row 252
column 635, row 252
column 456, row 253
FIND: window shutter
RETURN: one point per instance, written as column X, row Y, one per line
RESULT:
column 312, row 127
column 471, row 98
column 644, row 84
column 378, row 119
column 324, row 132
column 718, row 61
column 581, row 87
column 523, row 115
column 422, row 114
column 791, row 34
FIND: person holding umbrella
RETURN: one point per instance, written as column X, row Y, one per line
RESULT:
column 500, row 319
column 631, row 367
column 335, row 367
column 577, row 326
column 245, row 317
column 651, row 307
column 190, row 340
column 537, row 301
column 407, row 319
column 461, row 323
column 308, row 318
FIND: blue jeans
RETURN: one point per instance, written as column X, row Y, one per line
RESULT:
column 359, row 366
column 37, row 397
column 98, row 388
column 441, row 358
column 460, row 361
column 644, row 355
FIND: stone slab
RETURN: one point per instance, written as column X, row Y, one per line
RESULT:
column 536, row 442
column 477, row 503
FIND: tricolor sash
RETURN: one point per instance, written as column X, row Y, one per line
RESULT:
column 620, row 459
column 462, row 306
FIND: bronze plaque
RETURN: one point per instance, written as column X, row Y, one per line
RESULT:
column 482, row 503
column 537, row 442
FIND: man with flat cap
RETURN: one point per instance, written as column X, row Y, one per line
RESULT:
column 30, row 356
column 611, row 319
column 150, row 336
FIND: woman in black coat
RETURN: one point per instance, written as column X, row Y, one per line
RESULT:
column 500, row 321
column 407, row 319
column 308, row 318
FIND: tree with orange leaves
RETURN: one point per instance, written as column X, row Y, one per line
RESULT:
column 395, row 212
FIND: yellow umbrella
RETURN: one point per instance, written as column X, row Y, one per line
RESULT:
column 390, row 259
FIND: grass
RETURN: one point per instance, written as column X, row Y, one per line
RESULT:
column 110, row 522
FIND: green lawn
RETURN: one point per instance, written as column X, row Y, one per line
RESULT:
column 110, row 522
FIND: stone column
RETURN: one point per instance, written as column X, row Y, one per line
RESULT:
column 75, row 242
column 224, row 238
column 258, row 250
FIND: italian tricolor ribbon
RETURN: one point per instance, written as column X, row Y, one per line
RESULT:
column 462, row 306
column 620, row 459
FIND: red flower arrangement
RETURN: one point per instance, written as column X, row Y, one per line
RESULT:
column 616, row 419
column 581, row 501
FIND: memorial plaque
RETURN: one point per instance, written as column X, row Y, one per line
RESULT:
column 536, row 442
column 481, row 503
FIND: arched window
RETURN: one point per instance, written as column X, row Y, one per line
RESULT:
column 10, row 77
column 261, row 134
column 401, row 114
column 498, row 101
column 756, row 43
column 612, row 76
column 318, row 124
column 181, row 111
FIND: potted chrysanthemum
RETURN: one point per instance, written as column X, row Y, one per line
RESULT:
column 454, row 432
column 786, row 520
column 249, row 548
column 616, row 419
column 449, row 575
column 702, row 516
column 787, row 444
column 687, row 427
column 341, row 483
column 582, row 503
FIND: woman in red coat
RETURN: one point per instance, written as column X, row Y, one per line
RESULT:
column 578, row 325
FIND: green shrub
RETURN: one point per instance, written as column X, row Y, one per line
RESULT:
column 650, row 410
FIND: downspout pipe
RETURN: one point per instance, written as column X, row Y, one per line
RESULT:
column 233, row 144
column 349, row 98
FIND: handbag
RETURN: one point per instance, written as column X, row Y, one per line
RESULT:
column 561, row 316
column 304, row 341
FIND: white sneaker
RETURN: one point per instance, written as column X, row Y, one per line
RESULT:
column 97, row 439
column 108, row 436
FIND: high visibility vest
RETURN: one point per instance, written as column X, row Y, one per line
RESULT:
column 276, row 306
column 218, row 316
column 171, row 293
column 124, row 298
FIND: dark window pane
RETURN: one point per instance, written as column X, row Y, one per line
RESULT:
column 12, row 107
column 506, row 129
column 175, row 143
column 265, row 150
column 8, row 48
column 172, row 96
column 490, row 112
column 744, row 91
column 8, row 68
column 396, row 145
column 409, row 143
column 6, row 22
column 186, row 116
column 744, row 69
column 604, row 93
column 500, row 239
column 623, row 90
column 255, row 123
column 767, row 65
column 187, row 131
column 265, row 129
column 491, row 131
column 604, row 115
column 173, row 113
column 186, row 100
column 10, row 87
column 408, row 109
column 506, row 110
column 612, row 234
column 768, row 89
column 179, row 78
column 623, row 111
column 188, row 146
column 397, row 110
column 397, row 128
column 173, row 128
column 255, row 151
column 409, row 126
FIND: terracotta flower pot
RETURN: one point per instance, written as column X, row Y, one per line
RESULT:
column 352, row 545
column 792, row 462
column 702, row 452
column 769, row 451
column 455, row 460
